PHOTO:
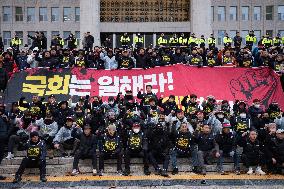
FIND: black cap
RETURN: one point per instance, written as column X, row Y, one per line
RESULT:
column 51, row 96
column 87, row 126
column 33, row 134
column 193, row 96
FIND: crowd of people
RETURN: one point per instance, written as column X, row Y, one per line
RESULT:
column 153, row 129
column 156, row 130
column 63, row 53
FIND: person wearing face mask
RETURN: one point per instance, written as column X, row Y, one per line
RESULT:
column 252, row 152
column 47, row 131
column 86, row 149
column 275, row 152
column 64, row 140
column 159, row 146
column 216, row 120
column 110, row 146
column 182, row 146
column 136, row 147
column 241, row 124
column 255, row 111
column 227, row 148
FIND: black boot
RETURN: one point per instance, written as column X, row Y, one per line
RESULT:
column 43, row 179
column 17, row 179
column 126, row 172
column 146, row 171
column 164, row 173
column 196, row 170
column 158, row 171
column 175, row 171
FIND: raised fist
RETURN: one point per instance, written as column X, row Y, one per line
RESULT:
column 254, row 84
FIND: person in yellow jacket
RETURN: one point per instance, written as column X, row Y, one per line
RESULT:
column 139, row 41
column 192, row 41
column 250, row 39
column 15, row 44
column 182, row 40
column 277, row 40
column 227, row 41
column 211, row 41
column 174, row 40
column 124, row 40
column 267, row 41
column 162, row 41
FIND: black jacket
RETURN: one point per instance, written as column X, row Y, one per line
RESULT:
column 88, row 144
column 3, row 126
column 251, row 149
column 3, row 78
column 226, row 142
column 158, row 141
column 205, row 142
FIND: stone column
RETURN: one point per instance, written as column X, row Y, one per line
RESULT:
column 200, row 18
column 90, row 18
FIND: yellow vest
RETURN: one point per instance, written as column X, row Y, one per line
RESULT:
column 211, row 41
column 15, row 41
column 138, row 39
column 162, row 41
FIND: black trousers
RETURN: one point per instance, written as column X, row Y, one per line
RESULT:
column 132, row 153
column 2, row 148
column 154, row 156
column 27, row 162
column 83, row 155
column 104, row 155
column 253, row 160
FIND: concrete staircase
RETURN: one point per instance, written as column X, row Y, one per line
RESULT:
column 59, row 166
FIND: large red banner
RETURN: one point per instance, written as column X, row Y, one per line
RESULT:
column 222, row 82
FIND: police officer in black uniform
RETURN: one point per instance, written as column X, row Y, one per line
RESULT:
column 36, row 152
column 136, row 147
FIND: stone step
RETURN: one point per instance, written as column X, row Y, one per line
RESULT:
column 63, row 161
column 136, row 169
